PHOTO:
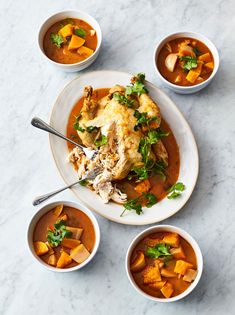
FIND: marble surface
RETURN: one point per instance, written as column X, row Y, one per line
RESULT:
column 29, row 86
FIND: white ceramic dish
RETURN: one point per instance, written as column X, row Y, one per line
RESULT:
column 47, row 208
column 183, row 234
column 188, row 150
column 193, row 88
column 77, row 15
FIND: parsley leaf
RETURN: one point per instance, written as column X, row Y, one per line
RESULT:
column 55, row 237
column 122, row 99
column 76, row 125
column 101, row 141
column 159, row 250
column 80, row 32
column 190, row 62
column 176, row 190
column 56, row 39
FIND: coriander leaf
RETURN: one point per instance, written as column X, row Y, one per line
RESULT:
column 141, row 77
column 133, row 204
column 137, row 87
column 151, row 199
column 123, row 100
column 190, row 62
column 144, row 149
column 76, row 125
column 80, row 32
column 101, row 141
column 176, row 190
column 142, row 119
column 159, row 168
column 141, row 173
column 90, row 129
column 158, row 251
column 56, row 39
column 56, row 236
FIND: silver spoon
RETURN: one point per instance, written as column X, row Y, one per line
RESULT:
column 90, row 175
column 39, row 123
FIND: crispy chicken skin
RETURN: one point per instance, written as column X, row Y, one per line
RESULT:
column 121, row 152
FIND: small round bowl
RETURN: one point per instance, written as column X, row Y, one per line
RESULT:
column 193, row 88
column 183, row 234
column 47, row 208
column 76, row 15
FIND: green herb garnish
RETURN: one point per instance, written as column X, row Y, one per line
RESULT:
column 158, row 251
column 90, row 129
column 56, row 39
column 176, row 190
column 83, row 182
column 137, row 87
column 150, row 199
column 122, row 99
column 142, row 119
column 55, row 237
column 196, row 51
column 190, row 62
column 101, row 141
column 76, row 125
column 80, row 32
column 159, row 168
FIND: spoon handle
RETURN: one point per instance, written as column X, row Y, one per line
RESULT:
column 39, row 123
column 38, row 200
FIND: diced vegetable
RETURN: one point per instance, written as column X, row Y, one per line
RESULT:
column 52, row 260
column 178, row 252
column 85, row 51
column 182, row 266
column 70, row 242
column 76, row 42
column 205, row 57
column 157, row 285
column 63, row 217
column 186, row 50
column 178, row 79
column 76, row 232
column 170, row 62
column 167, row 290
column 143, row 186
column 159, row 262
column 192, row 76
column 139, row 263
column 40, row 248
column 153, row 242
column 172, row 239
column 209, row 66
column 190, row 275
column 151, row 274
column 64, row 260
column 50, row 249
column 92, row 32
column 167, row 273
column 58, row 210
column 67, row 30
column 79, row 253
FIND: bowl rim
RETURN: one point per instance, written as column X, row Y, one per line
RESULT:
column 183, row 234
column 43, row 210
column 195, row 35
column 68, row 65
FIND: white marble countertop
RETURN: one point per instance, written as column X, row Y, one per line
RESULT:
column 29, row 86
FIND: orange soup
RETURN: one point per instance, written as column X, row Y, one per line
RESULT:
column 163, row 264
column 64, row 237
column 70, row 41
column 185, row 61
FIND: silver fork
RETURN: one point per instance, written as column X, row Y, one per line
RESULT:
column 90, row 175
column 39, row 123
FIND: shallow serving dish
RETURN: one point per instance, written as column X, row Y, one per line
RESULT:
column 187, row 147
column 184, row 235
column 47, row 208
column 197, row 36
column 76, row 15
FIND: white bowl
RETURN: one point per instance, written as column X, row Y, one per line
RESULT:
column 183, row 234
column 189, row 162
column 76, row 15
column 193, row 88
column 47, row 208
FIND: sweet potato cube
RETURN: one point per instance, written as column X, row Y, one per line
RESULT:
column 52, row 260
column 64, row 260
column 159, row 262
column 139, row 263
column 167, row 290
column 177, row 252
column 151, row 274
column 143, row 186
column 67, row 30
column 58, row 210
column 205, row 57
column 76, row 42
column 209, row 66
column 63, row 217
column 172, row 239
column 167, row 273
column 76, row 232
column 157, row 285
column 182, row 266
column 40, row 248
column 190, row 275
column 192, row 76
column 79, row 253
column 70, row 242
column 85, row 51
